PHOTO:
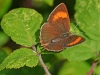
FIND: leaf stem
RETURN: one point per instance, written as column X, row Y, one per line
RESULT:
column 93, row 67
column 41, row 61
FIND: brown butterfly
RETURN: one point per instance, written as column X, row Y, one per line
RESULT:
column 55, row 34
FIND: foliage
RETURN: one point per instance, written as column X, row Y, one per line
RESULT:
column 23, row 26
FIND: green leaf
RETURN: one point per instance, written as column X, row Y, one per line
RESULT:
column 74, row 68
column 21, row 25
column 4, row 6
column 20, row 58
column 75, row 30
column 3, row 38
column 78, row 53
column 93, row 45
column 88, row 17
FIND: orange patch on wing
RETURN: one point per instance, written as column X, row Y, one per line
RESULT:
column 45, row 44
column 60, row 15
column 74, row 42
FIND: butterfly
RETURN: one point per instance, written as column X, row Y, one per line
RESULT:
column 55, row 34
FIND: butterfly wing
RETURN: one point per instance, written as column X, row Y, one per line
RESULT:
column 73, row 40
column 59, row 18
column 47, row 33
column 64, row 43
column 55, row 46
column 58, row 23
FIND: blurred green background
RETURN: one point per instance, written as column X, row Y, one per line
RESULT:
column 57, row 65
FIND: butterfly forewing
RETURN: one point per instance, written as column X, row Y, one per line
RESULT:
column 59, row 18
column 47, row 33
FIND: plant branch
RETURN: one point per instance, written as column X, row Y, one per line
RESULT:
column 41, row 61
column 93, row 67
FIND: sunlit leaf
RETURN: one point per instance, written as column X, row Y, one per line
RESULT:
column 88, row 17
column 20, row 58
column 22, row 25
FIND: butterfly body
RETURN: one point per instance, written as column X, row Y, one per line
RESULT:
column 55, row 34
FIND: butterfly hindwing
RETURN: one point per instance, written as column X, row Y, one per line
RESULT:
column 73, row 40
